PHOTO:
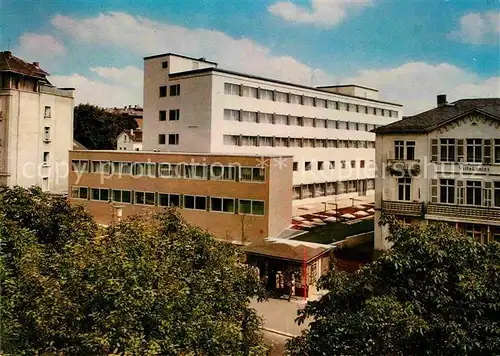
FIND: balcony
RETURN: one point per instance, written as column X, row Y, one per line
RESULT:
column 464, row 211
column 403, row 167
column 406, row 208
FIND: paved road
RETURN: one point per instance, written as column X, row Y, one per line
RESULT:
column 280, row 315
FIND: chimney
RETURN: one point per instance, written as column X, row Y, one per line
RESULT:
column 441, row 100
column 36, row 64
column 8, row 54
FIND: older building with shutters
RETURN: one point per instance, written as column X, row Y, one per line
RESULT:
column 442, row 165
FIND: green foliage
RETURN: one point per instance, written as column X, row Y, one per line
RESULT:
column 148, row 286
column 97, row 129
column 434, row 293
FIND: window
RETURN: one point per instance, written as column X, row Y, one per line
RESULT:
column 295, row 166
column 162, row 115
column 474, row 231
column 164, row 64
column 144, row 169
column 307, row 166
column 362, row 164
column 45, row 158
column 175, row 90
column 399, row 150
column 410, row 150
column 47, row 112
column 163, row 91
column 473, row 193
column 225, row 205
column 253, row 207
column 144, row 198
column 474, row 150
column 231, row 140
column 497, row 151
column 353, row 164
column 447, row 191
column 195, row 171
column 195, row 202
column 79, row 192
column 252, row 174
column 280, row 96
column 249, row 92
column 266, row 118
column 101, row 167
column 308, row 101
column 122, row 168
column 222, row 173
column 352, row 186
column 45, row 184
column 46, row 134
column 321, row 103
column 161, row 139
column 404, row 189
column 283, row 120
column 447, row 149
column 232, row 115
column 80, row 166
column 231, row 89
column 295, row 99
column 121, row 196
column 174, row 115
column 247, row 116
column 332, row 165
column 169, row 199
column 173, row 139
column 170, row 170
column 99, row 194
column 497, row 193
column 342, row 164
column 320, row 165
column 266, row 94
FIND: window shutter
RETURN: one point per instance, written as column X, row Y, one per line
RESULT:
column 434, row 190
column 487, row 193
column 487, row 151
column 460, row 150
column 460, row 192
column 434, row 150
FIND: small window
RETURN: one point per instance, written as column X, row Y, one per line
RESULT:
column 79, row 192
column 175, row 90
column 295, row 166
column 99, row 194
column 164, row 64
column 45, row 159
column 170, row 170
column 195, row 171
column 80, row 166
column 163, row 91
column 47, row 112
column 168, row 199
column 162, row 115
column 174, row 115
column 222, row 172
column 332, row 165
column 121, row 196
column 404, row 189
column 253, row 207
column 195, row 202
column 342, row 164
column 225, row 205
column 353, row 164
column 320, row 165
column 45, row 184
column 252, row 174
column 362, row 164
column 144, row 198
column 173, row 139
column 46, row 134
column 161, row 139
column 307, row 166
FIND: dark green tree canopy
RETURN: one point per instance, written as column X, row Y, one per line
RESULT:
column 434, row 293
column 145, row 286
column 97, row 129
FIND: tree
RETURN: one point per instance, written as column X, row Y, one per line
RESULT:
column 97, row 129
column 145, row 286
column 434, row 293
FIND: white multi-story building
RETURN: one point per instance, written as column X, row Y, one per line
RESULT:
column 190, row 105
column 442, row 165
column 36, row 127
column 129, row 140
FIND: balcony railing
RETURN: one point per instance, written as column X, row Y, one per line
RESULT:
column 403, row 166
column 464, row 211
column 402, row 208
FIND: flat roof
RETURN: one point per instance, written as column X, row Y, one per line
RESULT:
column 281, row 250
column 347, row 85
column 317, row 89
column 184, row 153
column 179, row 55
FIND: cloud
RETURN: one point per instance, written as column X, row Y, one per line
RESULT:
column 323, row 13
column 478, row 28
column 145, row 37
column 119, row 92
column 416, row 84
column 33, row 46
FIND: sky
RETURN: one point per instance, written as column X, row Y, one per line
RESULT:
column 410, row 50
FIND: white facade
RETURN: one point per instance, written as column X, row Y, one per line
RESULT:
column 36, row 133
column 205, row 109
column 451, row 174
column 127, row 142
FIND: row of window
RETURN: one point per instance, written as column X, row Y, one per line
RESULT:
column 274, row 95
column 473, row 150
column 172, row 170
column 185, row 201
column 320, row 165
column 451, row 191
column 175, row 90
column 315, row 190
column 272, row 141
column 290, row 120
